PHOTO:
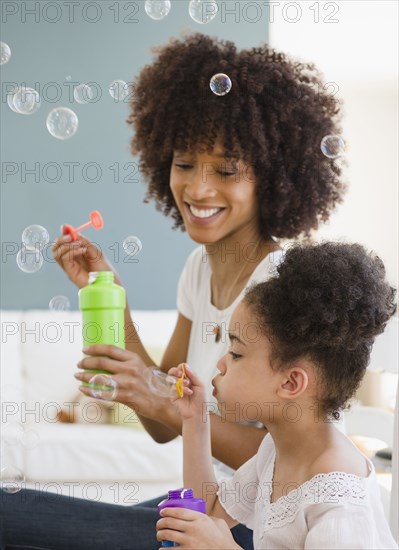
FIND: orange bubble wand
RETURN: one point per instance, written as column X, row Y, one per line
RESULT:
column 95, row 220
column 180, row 382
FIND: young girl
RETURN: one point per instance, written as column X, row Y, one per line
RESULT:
column 238, row 172
column 308, row 486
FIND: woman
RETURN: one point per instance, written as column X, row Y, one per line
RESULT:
column 237, row 172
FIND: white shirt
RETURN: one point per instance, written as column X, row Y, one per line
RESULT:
column 330, row 511
column 194, row 302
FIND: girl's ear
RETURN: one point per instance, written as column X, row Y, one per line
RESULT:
column 294, row 382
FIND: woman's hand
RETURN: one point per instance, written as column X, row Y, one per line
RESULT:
column 78, row 258
column 194, row 395
column 194, row 530
column 129, row 373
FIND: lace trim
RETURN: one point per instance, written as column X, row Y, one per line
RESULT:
column 331, row 488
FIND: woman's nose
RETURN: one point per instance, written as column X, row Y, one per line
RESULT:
column 200, row 184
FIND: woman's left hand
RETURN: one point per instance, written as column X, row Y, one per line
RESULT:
column 190, row 529
column 129, row 374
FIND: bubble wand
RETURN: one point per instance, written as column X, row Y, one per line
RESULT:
column 95, row 220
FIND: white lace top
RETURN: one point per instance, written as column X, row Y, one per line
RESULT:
column 330, row 511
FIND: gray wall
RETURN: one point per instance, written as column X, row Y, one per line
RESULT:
column 92, row 43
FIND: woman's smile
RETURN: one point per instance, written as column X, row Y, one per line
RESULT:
column 203, row 214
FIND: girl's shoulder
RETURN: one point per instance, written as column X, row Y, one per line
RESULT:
column 343, row 456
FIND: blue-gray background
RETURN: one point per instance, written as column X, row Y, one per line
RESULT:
column 48, row 181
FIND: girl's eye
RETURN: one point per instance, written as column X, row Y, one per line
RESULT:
column 235, row 356
column 183, row 166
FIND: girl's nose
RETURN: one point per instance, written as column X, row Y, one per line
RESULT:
column 222, row 364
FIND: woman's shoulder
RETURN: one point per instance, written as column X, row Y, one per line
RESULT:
column 267, row 267
column 197, row 260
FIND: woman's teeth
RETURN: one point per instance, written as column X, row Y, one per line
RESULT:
column 204, row 213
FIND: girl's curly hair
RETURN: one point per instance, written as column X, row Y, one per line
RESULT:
column 327, row 302
column 274, row 118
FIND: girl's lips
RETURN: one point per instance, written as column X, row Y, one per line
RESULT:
column 202, row 221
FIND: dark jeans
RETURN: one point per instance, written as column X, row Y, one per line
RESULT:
column 41, row 520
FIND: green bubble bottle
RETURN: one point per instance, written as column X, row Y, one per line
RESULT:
column 102, row 303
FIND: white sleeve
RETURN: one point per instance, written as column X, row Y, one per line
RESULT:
column 238, row 494
column 187, row 287
column 337, row 527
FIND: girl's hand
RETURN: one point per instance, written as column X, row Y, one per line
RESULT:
column 130, row 374
column 194, row 530
column 194, row 395
column 79, row 258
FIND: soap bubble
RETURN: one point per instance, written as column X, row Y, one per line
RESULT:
column 10, row 99
column 5, row 53
column 11, row 479
column 220, row 84
column 35, row 236
column 132, row 245
column 202, row 11
column 62, row 123
column 29, row 260
column 68, row 77
column 118, row 90
column 157, row 9
column 59, row 303
column 160, row 384
column 12, row 433
column 30, row 439
column 26, row 101
column 83, row 93
column 103, row 386
column 332, row 146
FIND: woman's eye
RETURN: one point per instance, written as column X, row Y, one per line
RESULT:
column 183, row 166
column 235, row 356
column 226, row 174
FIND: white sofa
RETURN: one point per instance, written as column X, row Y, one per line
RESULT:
column 93, row 459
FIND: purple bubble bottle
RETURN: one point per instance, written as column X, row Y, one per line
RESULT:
column 181, row 498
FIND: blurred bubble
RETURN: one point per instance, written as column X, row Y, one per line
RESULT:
column 11, row 479
column 103, row 386
column 35, row 236
column 160, row 384
column 157, row 9
column 62, row 123
column 12, row 433
column 30, row 439
column 25, row 101
column 68, row 77
column 59, row 303
column 10, row 99
column 132, row 245
column 202, row 11
column 83, row 93
column 332, row 146
column 119, row 90
column 5, row 53
column 220, row 84
column 29, row 260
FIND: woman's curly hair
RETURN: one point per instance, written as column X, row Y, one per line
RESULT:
column 327, row 303
column 274, row 118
